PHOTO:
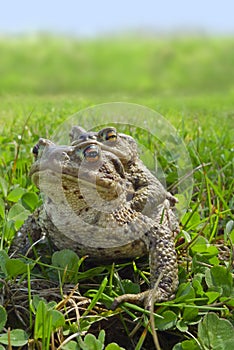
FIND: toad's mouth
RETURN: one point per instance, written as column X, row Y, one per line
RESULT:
column 78, row 169
column 78, row 183
column 79, row 192
column 74, row 178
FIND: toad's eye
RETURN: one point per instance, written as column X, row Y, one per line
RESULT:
column 92, row 153
column 37, row 150
column 108, row 135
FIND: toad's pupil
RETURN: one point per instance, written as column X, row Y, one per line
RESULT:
column 110, row 136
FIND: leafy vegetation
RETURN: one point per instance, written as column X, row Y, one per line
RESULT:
column 63, row 303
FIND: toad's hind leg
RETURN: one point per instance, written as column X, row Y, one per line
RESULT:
column 163, row 264
column 163, row 269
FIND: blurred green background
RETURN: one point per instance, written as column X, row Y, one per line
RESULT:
column 118, row 67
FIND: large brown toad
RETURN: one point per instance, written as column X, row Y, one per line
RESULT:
column 92, row 206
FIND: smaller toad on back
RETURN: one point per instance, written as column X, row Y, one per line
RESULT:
column 148, row 196
column 101, row 201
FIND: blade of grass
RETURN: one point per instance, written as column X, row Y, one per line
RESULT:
column 97, row 296
column 20, row 142
column 219, row 194
column 216, row 222
column 29, row 297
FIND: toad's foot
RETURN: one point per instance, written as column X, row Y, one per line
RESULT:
column 147, row 298
column 163, row 266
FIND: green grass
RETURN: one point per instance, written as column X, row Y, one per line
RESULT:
column 189, row 81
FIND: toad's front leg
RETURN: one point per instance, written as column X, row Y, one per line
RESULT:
column 163, row 269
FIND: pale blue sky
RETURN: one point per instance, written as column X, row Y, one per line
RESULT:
column 91, row 18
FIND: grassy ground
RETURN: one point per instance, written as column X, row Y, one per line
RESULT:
column 190, row 82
